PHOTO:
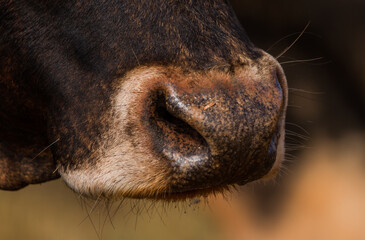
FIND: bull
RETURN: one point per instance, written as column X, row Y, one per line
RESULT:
column 163, row 99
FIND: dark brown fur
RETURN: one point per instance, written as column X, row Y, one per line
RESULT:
column 62, row 63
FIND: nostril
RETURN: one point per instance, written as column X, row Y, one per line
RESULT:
column 180, row 135
column 162, row 114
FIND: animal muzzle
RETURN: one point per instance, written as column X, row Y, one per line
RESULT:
column 175, row 133
column 214, row 129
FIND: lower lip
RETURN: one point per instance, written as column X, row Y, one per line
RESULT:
column 181, row 196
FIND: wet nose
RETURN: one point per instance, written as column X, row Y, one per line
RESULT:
column 219, row 129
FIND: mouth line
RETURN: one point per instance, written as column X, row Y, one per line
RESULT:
column 186, row 195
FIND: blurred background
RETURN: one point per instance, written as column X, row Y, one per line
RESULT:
column 320, row 193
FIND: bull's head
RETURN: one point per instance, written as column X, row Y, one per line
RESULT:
column 147, row 99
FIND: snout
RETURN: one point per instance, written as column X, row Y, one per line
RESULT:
column 176, row 134
column 223, row 130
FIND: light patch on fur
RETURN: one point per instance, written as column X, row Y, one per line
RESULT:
column 125, row 165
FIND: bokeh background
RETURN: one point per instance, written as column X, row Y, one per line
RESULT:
column 320, row 193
